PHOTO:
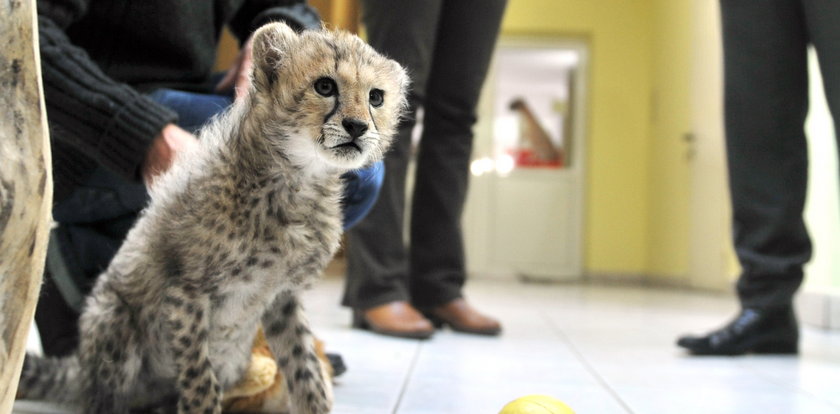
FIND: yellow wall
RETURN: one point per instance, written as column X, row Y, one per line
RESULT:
column 619, row 33
column 670, row 152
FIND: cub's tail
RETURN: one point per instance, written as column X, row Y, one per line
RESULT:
column 49, row 378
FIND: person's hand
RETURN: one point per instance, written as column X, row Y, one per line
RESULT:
column 171, row 140
column 238, row 76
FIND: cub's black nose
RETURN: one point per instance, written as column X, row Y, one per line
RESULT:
column 354, row 127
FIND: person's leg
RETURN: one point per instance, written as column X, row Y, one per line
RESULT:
column 766, row 102
column 377, row 261
column 466, row 39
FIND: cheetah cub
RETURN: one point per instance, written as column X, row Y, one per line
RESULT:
column 235, row 230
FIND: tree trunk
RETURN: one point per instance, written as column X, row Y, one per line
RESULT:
column 25, row 187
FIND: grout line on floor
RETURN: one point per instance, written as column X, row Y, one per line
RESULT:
column 408, row 375
column 586, row 364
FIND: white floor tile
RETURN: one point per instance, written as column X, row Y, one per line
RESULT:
column 722, row 400
column 436, row 396
column 600, row 349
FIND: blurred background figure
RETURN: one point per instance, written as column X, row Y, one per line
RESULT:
column 765, row 47
column 396, row 289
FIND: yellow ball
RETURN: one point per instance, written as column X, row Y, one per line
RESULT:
column 536, row 404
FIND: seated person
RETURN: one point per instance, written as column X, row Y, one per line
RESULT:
column 126, row 85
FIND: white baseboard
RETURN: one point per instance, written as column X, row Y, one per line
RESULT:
column 820, row 309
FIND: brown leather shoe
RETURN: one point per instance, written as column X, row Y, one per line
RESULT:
column 394, row 319
column 462, row 317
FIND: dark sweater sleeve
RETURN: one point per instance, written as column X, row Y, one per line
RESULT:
column 105, row 120
column 255, row 13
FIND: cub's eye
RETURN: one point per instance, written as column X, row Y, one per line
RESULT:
column 326, row 87
column 376, row 97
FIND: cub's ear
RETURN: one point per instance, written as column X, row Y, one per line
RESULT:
column 270, row 44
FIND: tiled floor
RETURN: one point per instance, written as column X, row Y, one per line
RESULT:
column 601, row 349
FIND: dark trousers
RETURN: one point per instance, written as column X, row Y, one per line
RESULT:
column 446, row 46
column 766, row 102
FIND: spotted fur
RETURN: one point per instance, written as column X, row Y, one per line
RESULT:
column 235, row 230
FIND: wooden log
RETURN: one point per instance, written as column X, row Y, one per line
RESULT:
column 25, row 187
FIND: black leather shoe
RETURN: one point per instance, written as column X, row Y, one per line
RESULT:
column 771, row 331
column 337, row 363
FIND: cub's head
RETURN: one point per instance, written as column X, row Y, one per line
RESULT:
column 327, row 100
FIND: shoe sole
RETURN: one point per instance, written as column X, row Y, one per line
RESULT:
column 777, row 348
column 769, row 348
column 439, row 323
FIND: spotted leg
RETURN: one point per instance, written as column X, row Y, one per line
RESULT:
column 104, row 350
column 199, row 391
column 101, row 360
column 290, row 339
